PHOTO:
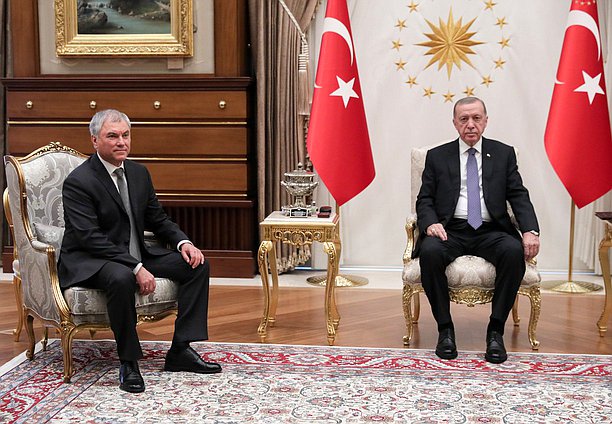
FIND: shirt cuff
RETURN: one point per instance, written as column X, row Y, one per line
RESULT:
column 182, row 242
column 135, row 271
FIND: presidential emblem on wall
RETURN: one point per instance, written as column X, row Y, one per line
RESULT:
column 446, row 50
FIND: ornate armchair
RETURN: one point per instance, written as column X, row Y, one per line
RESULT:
column 34, row 185
column 470, row 278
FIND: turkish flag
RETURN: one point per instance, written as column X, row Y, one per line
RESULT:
column 338, row 141
column 577, row 137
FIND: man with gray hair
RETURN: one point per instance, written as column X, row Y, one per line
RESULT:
column 462, row 210
column 109, row 201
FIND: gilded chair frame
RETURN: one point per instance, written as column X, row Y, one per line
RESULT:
column 62, row 318
column 15, row 264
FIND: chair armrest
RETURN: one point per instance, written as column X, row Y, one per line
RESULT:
column 40, row 282
column 151, row 241
column 412, row 233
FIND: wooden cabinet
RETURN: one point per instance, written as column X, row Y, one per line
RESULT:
column 192, row 134
column 192, row 131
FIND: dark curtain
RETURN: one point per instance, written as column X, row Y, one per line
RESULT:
column 281, row 62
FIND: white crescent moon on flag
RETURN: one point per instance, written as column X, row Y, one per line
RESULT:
column 334, row 25
column 583, row 19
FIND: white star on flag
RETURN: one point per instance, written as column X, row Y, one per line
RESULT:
column 345, row 90
column 590, row 86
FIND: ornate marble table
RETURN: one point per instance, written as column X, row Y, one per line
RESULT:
column 298, row 232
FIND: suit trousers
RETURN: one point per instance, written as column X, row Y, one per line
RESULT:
column 119, row 283
column 490, row 242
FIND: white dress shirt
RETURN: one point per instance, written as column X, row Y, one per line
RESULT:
column 110, row 168
column 461, row 209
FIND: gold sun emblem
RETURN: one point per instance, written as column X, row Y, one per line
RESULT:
column 450, row 43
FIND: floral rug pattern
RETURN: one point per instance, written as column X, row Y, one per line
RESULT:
column 263, row 383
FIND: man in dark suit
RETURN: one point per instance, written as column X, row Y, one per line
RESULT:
column 103, row 247
column 461, row 209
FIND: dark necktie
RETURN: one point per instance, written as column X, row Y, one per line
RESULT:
column 474, row 214
column 125, row 197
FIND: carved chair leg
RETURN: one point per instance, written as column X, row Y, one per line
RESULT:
column 407, row 298
column 416, row 302
column 29, row 327
column 533, row 293
column 515, row 315
column 20, row 310
column 67, row 333
column 45, row 338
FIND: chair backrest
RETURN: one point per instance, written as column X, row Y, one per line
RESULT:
column 34, row 185
column 38, row 179
column 417, row 164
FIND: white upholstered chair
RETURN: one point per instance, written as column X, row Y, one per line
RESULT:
column 34, row 185
column 471, row 279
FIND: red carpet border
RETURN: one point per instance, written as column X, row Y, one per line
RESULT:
column 263, row 383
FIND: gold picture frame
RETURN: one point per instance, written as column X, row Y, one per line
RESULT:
column 176, row 41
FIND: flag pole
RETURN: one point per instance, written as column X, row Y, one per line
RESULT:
column 569, row 285
column 342, row 280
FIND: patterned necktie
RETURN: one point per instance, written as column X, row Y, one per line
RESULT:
column 123, row 192
column 474, row 214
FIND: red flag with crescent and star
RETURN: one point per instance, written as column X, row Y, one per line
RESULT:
column 577, row 137
column 338, row 141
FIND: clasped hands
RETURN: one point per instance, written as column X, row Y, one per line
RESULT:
column 146, row 281
column 531, row 242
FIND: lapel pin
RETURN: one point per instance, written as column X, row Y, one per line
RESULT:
column 488, row 155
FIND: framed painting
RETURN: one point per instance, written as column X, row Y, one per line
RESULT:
column 124, row 28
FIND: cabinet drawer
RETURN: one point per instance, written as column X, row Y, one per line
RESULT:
column 197, row 177
column 150, row 106
column 147, row 140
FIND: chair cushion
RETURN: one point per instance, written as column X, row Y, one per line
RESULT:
column 89, row 305
column 468, row 271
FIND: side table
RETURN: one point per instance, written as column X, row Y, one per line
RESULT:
column 298, row 232
column 604, row 246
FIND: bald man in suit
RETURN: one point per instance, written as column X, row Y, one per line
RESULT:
column 451, row 227
column 103, row 248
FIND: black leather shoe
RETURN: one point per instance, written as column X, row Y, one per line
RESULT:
column 130, row 379
column 446, row 348
column 189, row 360
column 496, row 351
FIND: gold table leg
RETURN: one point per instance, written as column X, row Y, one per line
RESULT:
column 605, row 244
column 332, row 317
column 265, row 252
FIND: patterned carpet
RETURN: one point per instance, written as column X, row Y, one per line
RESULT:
column 297, row 384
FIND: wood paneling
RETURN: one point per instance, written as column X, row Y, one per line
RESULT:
column 231, row 37
column 24, row 37
column 231, row 53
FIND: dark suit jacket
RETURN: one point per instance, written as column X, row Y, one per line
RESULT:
column 97, row 225
column 501, row 182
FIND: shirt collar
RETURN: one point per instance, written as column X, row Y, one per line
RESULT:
column 463, row 146
column 110, row 168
